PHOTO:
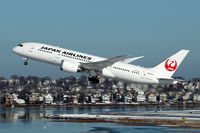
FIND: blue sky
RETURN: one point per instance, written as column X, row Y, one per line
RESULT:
column 155, row 29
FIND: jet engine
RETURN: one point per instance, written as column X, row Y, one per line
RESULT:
column 68, row 66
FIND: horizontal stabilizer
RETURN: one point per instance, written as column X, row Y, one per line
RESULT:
column 166, row 80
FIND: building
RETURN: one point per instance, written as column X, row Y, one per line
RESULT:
column 141, row 97
column 48, row 99
column 152, row 97
column 9, row 99
column 196, row 97
column 163, row 97
column 117, row 97
column 187, row 96
column 32, row 99
column 106, row 98
column 128, row 97
column 40, row 99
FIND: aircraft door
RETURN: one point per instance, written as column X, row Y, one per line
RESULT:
column 143, row 75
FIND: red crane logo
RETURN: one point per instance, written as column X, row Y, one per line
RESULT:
column 171, row 65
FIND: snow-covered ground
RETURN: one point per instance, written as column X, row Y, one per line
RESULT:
column 164, row 115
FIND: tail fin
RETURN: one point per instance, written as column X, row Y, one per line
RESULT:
column 167, row 68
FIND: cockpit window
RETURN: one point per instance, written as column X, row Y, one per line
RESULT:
column 20, row 45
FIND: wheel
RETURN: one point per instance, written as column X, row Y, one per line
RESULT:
column 25, row 63
column 93, row 79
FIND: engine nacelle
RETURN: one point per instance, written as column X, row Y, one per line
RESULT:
column 68, row 66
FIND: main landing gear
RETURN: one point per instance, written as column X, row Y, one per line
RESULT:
column 94, row 79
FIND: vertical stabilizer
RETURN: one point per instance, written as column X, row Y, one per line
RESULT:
column 167, row 68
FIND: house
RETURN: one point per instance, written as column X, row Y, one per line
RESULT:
column 187, row 96
column 163, row 97
column 196, row 97
column 40, row 99
column 178, row 97
column 9, row 99
column 48, row 99
column 87, row 99
column 152, row 97
column 117, row 97
column 140, row 97
column 106, row 98
column 197, row 85
column 95, row 99
column 15, row 96
column 13, row 82
column 66, row 98
column 128, row 97
column 75, row 100
column 32, row 99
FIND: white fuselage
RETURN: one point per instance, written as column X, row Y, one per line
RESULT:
column 54, row 55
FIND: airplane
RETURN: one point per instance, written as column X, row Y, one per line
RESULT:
column 96, row 67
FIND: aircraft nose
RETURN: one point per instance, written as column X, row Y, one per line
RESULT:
column 14, row 50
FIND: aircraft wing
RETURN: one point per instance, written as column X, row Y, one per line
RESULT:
column 98, row 66
column 129, row 60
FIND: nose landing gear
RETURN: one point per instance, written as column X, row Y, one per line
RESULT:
column 25, row 61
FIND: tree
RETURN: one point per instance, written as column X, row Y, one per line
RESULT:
column 14, row 77
column 81, row 99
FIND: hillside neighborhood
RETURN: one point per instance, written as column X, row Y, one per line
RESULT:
column 19, row 90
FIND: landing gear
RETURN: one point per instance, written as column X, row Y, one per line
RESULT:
column 25, row 61
column 93, row 79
